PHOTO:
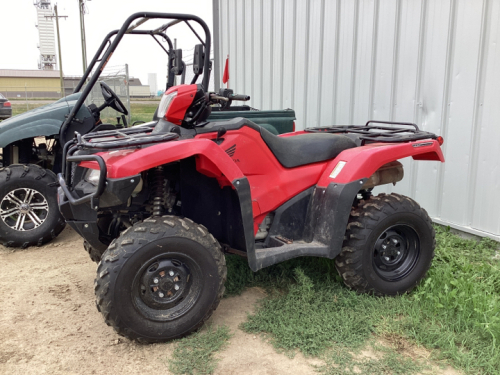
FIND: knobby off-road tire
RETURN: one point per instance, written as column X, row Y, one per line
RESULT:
column 95, row 255
column 388, row 247
column 160, row 280
column 29, row 213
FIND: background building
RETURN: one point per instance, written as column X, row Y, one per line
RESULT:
column 45, row 84
column 30, row 83
column 153, row 83
column 435, row 63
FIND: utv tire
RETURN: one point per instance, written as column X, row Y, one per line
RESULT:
column 29, row 213
column 388, row 246
column 160, row 280
column 95, row 255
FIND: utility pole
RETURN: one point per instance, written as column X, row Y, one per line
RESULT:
column 81, row 5
column 216, row 44
column 56, row 16
column 128, row 93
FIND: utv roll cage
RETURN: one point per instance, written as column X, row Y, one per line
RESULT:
column 174, row 62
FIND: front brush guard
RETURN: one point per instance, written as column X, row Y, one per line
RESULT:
column 101, row 185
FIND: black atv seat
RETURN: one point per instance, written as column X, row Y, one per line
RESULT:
column 305, row 149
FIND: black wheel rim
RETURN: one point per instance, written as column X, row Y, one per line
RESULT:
column 396, row 252
column 167, row 286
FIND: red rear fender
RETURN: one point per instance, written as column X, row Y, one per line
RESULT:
column 362, row 162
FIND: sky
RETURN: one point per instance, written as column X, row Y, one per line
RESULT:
column 19, row 36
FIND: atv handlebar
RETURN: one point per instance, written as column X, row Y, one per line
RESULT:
column 218, row 97
column 242, row 98
column 228, row 97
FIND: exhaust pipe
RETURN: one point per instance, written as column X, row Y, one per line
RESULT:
column 389, row 173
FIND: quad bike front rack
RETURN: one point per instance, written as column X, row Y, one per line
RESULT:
column 379, row 133
column 122, row 138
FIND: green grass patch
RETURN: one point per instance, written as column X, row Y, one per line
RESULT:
column 142, row 111
column 457, row 307
column 277, row 277
column 195, row 354
column 314, row 316
column 454, row 312
column 18, row 108
column 341, row 361
column 139, row 111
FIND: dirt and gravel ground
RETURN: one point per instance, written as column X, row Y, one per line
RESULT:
column 49, row 323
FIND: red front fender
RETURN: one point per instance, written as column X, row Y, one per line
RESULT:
column 362, row 162
column 213, row 160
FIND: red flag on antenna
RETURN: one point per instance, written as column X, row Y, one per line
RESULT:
column 225, row 76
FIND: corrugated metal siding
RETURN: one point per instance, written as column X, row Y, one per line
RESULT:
column 436, row 63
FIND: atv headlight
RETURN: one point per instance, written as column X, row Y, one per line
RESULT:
column 165, row 103
column 92, row 176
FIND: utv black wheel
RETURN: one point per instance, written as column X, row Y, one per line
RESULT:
column 388, row 247
column 29, row 213
column 95, row 255
column 160, row 280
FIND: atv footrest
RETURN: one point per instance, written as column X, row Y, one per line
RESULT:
column 268, row 256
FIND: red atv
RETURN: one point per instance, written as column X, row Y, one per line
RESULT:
column 162, row 203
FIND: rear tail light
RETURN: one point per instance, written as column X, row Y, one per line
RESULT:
column 293, row 126
column 7, row 104
column 440, row 140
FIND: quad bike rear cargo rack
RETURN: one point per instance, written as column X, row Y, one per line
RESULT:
column 379, row 133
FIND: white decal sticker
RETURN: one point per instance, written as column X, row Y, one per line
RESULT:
column 337, row 169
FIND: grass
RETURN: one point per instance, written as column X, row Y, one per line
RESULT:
column 457, row 308
column 314, row 316
column 454, row 312
column 340, row 361
column 195, row 354
column 140, row 111
column 18, row 108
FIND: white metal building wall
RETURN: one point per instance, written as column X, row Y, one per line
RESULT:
column 432, row 62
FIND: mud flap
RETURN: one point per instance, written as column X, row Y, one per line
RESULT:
column 325, row 224
column 329, row 213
